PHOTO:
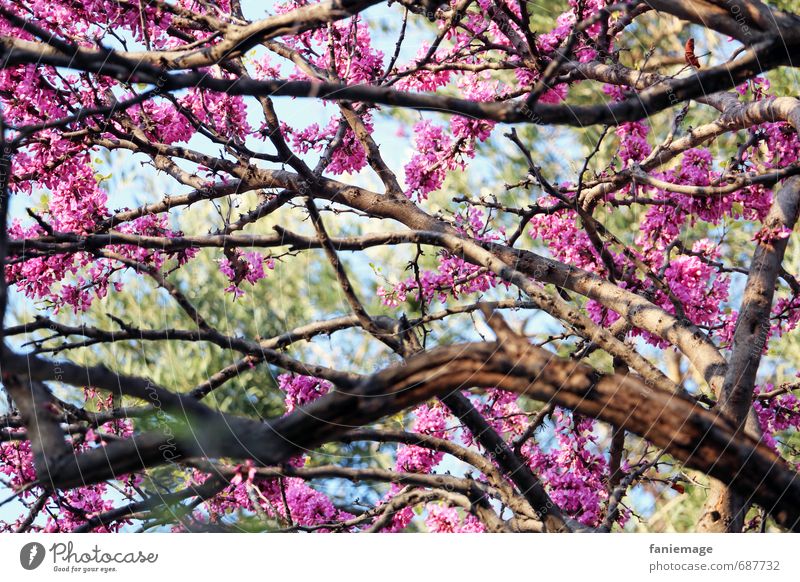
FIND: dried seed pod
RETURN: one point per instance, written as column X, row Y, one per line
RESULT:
column 689, row 55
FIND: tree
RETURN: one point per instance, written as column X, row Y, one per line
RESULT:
column 502, row 267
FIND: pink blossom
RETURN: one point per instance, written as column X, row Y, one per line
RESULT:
column 443, row 519
column 301, row 390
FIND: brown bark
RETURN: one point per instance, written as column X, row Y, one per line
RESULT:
column 701, row 439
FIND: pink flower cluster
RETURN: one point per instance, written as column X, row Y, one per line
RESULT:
column 776, row 415
column 454, row 276
column 574, row 471
column 430, row 420
column 437, row 153
column 68, row 510
column 696, row 284
column 288, row 499
column 168, row 125
column 769, row 234
column 349, row 156
column 435, row 156
column 45, row 278
column 501, row 409
column 565, row 239
column 300, row 390
column 240, row 266
column 227, row 114
column 424, row 80
column 444, row 519
column 550, row 41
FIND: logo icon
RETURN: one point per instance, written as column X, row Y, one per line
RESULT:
column 31, row 555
